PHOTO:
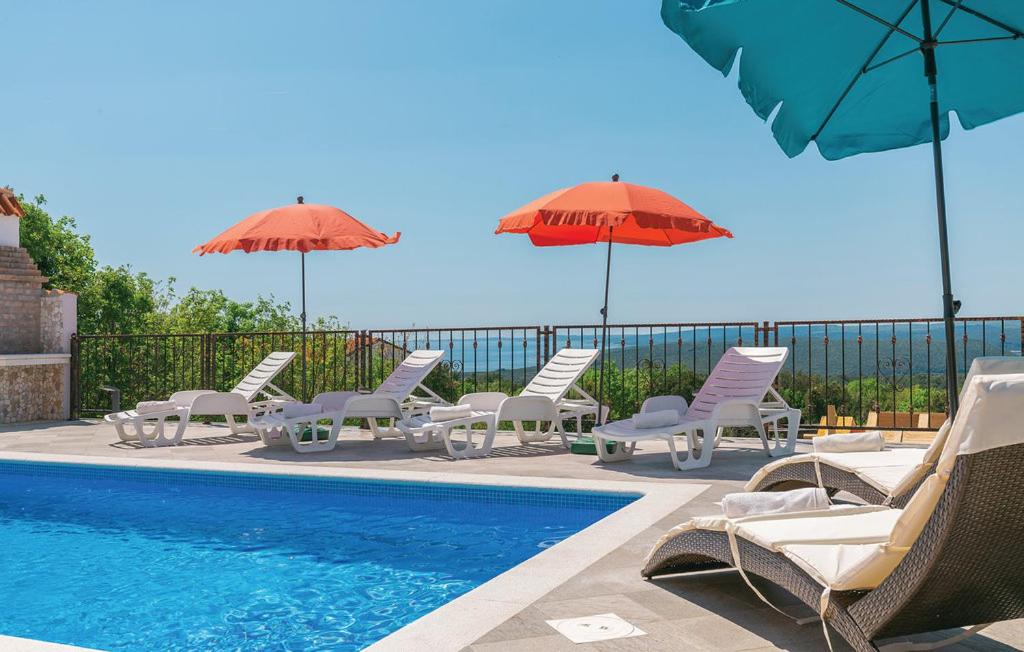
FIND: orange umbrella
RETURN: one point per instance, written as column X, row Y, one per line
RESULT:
column 609, row 212
column 297, row 227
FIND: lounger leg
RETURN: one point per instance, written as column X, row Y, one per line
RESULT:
column 788, row 447
column 759, row 426
column 382, row 432
column 237, row 428
column 620, row 452
column 698, row 457
column 156, row 437
column 429, row 440
column 527, row 437
column 564, row 435
column 469, row 450
column 122, row 435
column 314, row 445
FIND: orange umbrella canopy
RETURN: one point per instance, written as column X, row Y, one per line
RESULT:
column 297, row 227
column 589, row 212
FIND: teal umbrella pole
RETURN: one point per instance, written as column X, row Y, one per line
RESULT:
column 948, row 309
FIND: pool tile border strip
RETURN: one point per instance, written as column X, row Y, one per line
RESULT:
column 467, row 618
column 320, row 485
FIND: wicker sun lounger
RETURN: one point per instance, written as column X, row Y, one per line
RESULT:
column 882, row 477
column 946, row 561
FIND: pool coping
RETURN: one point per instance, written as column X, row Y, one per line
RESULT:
column 462, row 621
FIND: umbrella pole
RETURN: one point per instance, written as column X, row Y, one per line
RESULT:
column 604, row 330
column 948, row 311
column 303, row 316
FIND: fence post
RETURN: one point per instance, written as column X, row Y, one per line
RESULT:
column 548, row 334
column 213, row 361
column 73, row 378
column 364, row 342
column 1022, row 335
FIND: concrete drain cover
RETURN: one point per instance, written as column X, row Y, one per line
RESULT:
column 602, row 627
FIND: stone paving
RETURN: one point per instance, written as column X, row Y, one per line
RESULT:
column 709, row 611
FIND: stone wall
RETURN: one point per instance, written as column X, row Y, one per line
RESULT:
column 33, row 392
column 20, row 296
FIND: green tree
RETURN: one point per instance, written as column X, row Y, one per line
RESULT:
column 62, row 254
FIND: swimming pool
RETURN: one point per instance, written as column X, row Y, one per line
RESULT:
column 119, row 558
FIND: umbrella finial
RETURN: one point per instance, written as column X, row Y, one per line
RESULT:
column 300, row 199
column 615, row 177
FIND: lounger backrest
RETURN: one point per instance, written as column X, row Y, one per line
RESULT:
column 989, row 418
column 562, row 371
column 744, row 373
column 982, row 366
column 964, row 568
column 263, row 374
column 410, row 373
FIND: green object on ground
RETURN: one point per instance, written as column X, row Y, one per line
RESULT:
column 585, row 446
column 322, row 434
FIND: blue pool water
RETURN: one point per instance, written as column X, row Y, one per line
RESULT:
column 126, row 559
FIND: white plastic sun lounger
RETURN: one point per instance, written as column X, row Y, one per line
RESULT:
column 146, row 424
column 734, row 395
column 943, row 561
column 394, row 399
column 544, row 401
column 883, row 477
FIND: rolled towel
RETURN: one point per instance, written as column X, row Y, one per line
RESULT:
column 775, row 502
column 656, row 419
column 291, row 410
column 149, row 407
column 450, row 412
column 854, row 442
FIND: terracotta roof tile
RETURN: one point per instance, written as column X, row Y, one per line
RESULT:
column 9, row 203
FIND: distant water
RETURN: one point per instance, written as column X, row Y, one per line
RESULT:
column 517, row 350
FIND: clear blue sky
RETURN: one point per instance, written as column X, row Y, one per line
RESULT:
column 159, row 124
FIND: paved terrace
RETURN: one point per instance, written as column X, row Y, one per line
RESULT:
column 710, row 611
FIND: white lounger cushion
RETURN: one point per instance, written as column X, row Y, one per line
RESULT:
column 853, row 442
column 858, row 548
column 884, row 470
column 870, row 466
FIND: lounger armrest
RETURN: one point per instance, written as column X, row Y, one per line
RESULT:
column 368, row 406
column 185, row 398
column 269, row 406
column 730, row 410
column 220, row 403
column 334, row 401
column 483, row 401
column 527, row 408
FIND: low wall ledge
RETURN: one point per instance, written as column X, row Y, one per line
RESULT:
column 24, row 359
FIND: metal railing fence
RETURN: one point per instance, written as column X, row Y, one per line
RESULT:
column 887, row 372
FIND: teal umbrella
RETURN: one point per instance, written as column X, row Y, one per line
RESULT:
column 859, row 76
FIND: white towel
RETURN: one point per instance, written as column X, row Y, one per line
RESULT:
column 854, row 442
column 656, row 419
column 300, row 410
column 450, row 413
column 149, row 407
column 775, row 502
